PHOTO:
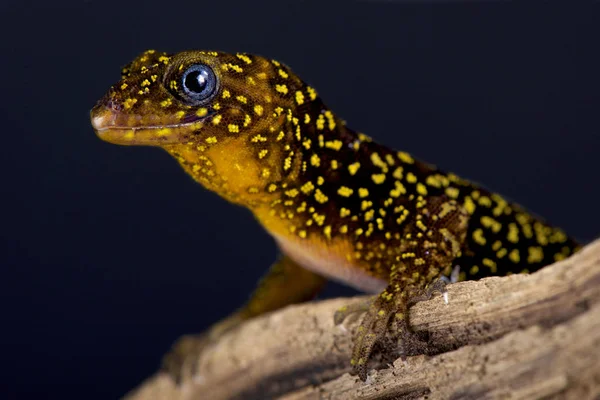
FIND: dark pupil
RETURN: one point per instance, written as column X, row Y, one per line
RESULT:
column 196, row 81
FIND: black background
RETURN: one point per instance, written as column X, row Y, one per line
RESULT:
column 109, row 253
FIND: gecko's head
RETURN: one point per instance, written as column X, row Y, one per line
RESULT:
column 225, row 117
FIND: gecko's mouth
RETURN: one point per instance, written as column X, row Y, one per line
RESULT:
column 111, row 128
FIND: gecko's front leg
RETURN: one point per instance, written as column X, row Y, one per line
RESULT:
column 285, row 283
column 428, row 247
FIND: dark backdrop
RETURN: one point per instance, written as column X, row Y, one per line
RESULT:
column 109, row 253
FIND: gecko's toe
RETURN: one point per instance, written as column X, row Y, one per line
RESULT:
column 344, row 312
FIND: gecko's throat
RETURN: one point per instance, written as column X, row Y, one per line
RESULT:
column 148, row 130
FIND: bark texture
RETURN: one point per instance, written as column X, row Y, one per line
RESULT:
column 519, row 337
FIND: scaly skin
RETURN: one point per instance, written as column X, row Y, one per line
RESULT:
column 338, row 204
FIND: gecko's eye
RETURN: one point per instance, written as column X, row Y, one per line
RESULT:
column 199, row 83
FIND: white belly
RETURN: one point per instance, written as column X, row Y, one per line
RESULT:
column 330, row 265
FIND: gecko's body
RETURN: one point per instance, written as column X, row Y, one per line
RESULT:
column 338, row 204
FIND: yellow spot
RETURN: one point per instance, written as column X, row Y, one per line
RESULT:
column 312, row 93
column 129, row 103
column 352, row 168
column 272, row 187
column 536, row 255
column 390, row 159
column 491, row 264
column 233, row 128
column 334, row 144
column 262, row 154
column 244, row 58
column 478, row 237
column 123, row 86
column 362, row 192
column 283, row 74
column 378, row 178
column 315, row 161
column 399, row 190
column 378, row 162
column 330, row 120
column 411, row 178
column 513, row 233
column 320, row 122
column 344, row 212
column 258, row 138
column 469, row 205
column 485, row 201
column 514, row 256
column 281, row 89
column 320, row 197
column 211, row 140
column 421, row 189
column 559, row 257
column 452, row 192
column 319, row 219
column 474, row 270
column 201, row 112
column 307, row 187
column 491, row 223
column 365, row 204
column 501, row 253
column 242, row 99
column 327, row 231
column 344, row 229
column 216, row 119
column 299, row 97
column 345, row 191
column 405, row 157
column 302, row 234
column 433, row 180
column 292, row 193
column 398, row 173
column 334, row 164
column 226, row 94
column 258, row 110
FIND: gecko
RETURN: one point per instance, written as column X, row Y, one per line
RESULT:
column 339, row 205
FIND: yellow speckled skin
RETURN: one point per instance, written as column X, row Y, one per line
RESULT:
column 338, row 204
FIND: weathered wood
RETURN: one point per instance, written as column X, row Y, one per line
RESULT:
column 521, row 336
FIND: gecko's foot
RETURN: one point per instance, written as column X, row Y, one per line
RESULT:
column 376, row 330
column 386, row 326
column 181, row 362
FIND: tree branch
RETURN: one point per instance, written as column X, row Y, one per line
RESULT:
column 528, row 336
